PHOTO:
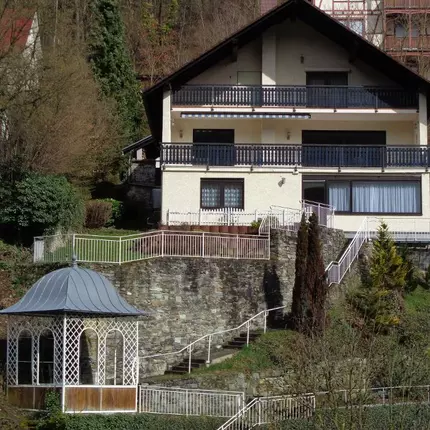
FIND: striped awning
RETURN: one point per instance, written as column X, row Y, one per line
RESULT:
column 230, row 115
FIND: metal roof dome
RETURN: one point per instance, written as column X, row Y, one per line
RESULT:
column 73, row 290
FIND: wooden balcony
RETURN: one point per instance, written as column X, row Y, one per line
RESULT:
column 295, row 155
column 419, row 44
column 335, row 97
column 406, row 5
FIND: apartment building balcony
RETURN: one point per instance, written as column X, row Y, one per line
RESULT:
column 406, row 5
column 315, row 156
column 418, row 44
column 298, row 96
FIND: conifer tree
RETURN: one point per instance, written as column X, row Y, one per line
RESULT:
column 380, row 302
column 112, row 65
column 315, row 282
column 300, row 305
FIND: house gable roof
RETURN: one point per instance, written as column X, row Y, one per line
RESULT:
column 358, row 48
column 15, row 28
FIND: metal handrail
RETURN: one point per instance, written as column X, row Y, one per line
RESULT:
column 209, row 337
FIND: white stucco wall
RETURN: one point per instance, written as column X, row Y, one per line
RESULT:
column 262, row 187
column 280, row 63
column 296, row 40
column 225, row 72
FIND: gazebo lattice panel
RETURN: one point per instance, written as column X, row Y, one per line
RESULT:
column 35, row 326
column 76, row 325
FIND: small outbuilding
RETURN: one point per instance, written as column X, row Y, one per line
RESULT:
column 72, row 333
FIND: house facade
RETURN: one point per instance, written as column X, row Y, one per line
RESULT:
column 295, row 107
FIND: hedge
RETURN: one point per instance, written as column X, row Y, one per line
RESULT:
column 129, row 422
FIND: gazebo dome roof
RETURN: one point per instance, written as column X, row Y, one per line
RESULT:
column 73, row 290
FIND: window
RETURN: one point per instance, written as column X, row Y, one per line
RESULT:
column 221, row 193
column 356, row 25
column 322, row 97
column 46, row 357
column 405, row 30
column 214, row 147
column 366, row 196
column 25, row 345
column 248, row 78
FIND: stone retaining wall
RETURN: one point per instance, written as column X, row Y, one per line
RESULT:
column 189, row 297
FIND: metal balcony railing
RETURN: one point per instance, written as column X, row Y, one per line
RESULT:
column 295, row 155
column 336, row 97
column 406, row 4
column 394, row 43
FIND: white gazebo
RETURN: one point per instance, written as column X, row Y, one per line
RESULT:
column 72, row 333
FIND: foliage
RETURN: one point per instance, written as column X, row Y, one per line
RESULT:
column 316, row 287
column 256, row 224
column 39, row 204
column 299, row 307
column 97, row 213
column 128, row 422
column 112, row 65
column 117, row 212
column 265, row 353
column 380, row 302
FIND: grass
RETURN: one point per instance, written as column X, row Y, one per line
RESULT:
column 106, row 250
column 266, row 352
column 418, row 301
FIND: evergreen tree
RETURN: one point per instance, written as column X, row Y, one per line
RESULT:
column 315, row 283
column 300, row 305
column 112, row 65
column 388, row 270
column 381, row 301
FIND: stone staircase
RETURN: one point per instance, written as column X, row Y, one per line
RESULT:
column 227, row 350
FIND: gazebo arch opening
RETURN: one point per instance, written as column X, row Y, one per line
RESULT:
column 25, row 357
column 46, row 357
column 88, row 357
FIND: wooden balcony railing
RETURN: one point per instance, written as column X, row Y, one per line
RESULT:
column 295, row 96
column 420, row 43
column 295, row 155
column 406, row 4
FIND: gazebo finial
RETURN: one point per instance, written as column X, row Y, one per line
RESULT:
column 74, row 261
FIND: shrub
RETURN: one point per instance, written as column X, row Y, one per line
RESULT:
column 97, row 213
column 128, row 422
column 39, row 204
column 117, row 211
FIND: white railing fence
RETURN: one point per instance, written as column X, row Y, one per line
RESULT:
column 266, row 410
column 374, row 396
column 336, row 270
column 325, row 213
column 206, row 345
column 180, row 401
column 220, row 217
column 160, row 243
column 288, row 219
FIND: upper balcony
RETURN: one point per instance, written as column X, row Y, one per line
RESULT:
column 408, row 43
column 302, row 96
column 283, row 155
column 406, row 5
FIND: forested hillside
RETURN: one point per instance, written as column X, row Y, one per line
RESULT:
column 70, row 74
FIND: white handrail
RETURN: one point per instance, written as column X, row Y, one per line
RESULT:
column 208, row 337
column 265, row 410
column 336, row 270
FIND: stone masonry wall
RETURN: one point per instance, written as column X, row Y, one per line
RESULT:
column 189, row 297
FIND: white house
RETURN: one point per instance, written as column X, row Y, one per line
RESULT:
column 293, row 107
